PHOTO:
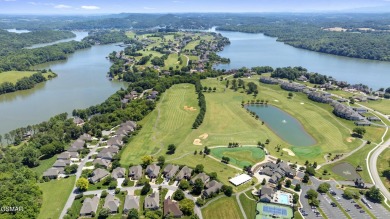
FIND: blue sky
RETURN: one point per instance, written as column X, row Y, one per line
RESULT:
column 161, row 6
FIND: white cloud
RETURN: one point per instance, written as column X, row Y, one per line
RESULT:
column 149, row 8
column 9, row 0
column 90, row 7
column 62, row 6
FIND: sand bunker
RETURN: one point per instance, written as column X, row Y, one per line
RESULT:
column 189, row 108
column 302, row 103
column 350, row 139
column 290, row 152
column 276, row 100
column 204, row 136
column 197, row 142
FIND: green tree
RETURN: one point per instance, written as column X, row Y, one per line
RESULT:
column 104, row 213
column 374, row 195
column 184, row 184
column 133, row 214
column 213, row 175
column 295, row 198
column 147, row 159
column 297, row 187
column 311, row 171
column 306, row 178
column 263, row 182
column 161, row 161
column 288, row 183
column 178, row 195
column 71, row 169
column 199, row 168
column 198, row 186
column 323, row 188
column 311, row 194
column 171, row 149
column 82, row 184
column 187, row 206
column 359, row 131
column 145, row 189
column 347, row 194
column 227, row 190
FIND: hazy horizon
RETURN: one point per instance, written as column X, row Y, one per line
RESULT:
column 89, row 7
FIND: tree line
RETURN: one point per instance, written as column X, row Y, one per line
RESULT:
column 23, row 83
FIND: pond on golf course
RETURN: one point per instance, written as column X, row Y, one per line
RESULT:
column 283, row 124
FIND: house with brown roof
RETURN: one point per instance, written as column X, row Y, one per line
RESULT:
column 85, row 137
column 90, row 206
column 102, row 162
column 61, row 163
column 115, row 141
column 52, row 173
column 212, row 187
column 78, row 121
column 172, row 208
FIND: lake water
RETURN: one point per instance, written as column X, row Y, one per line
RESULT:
column 17, row 31
column 283, row 124
column 81, row 83
column 79, row 36
column 258, row 50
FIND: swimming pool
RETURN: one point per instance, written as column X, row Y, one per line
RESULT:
column 283, row 198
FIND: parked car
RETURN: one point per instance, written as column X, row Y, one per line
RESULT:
column 362, row 211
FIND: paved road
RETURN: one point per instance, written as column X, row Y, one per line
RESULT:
column 74, row 190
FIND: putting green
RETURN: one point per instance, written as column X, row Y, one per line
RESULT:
column 240, row 156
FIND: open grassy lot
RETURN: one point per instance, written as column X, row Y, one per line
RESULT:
column 191, row 45
column 249, row 205
column 44, row 165
column 240, row 156
column 223, row 208
column 383, row 163
column 168, row 124
column 14, row 76
column 55, row 195
column 172, row 61
column 382, row 106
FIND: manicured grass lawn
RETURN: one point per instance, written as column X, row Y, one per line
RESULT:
column 223, row 208
column 382, row 106
column 44, row 165
column 168, row 124
column 240, row 156
column 248, row 205
column 383, row 163
column 191, row 45
column 55, row 195
column 172, row 61
column 76, row 207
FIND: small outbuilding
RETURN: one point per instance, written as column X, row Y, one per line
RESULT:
column 241, row 179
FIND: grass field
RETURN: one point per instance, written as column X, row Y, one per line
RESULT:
column 248, row 205
column 223, row 208
column 44, row 165
column 168, row 124
column 191, row 45
column 55, row 195
column 240, row 156
column 14, row 76
column 382, row 106
column 383, row 163
column 172, row 61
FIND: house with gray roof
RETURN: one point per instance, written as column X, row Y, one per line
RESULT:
column 102, row 162
column 212, row 187
column 78, row 121
column 135, row 172
column 373, row 118
column 153, row 170
column 85, row 137
column 269, row 80
column 266, row 171
column 152, row 201
column 170, row 171
column 266, row 193
column 345, row 112
column 118, row 172
column 78, row 144
column 98, row 174
column 52, row 173
column 61, row 163
column 63, row 156
column 275, row 178
column 90, row 206
column 111, row 203
column 319, row 97
column 116, row 141
column 184, row 173
column 204, row 177
column 131, row 202
column 292, row 86
column 105, row 155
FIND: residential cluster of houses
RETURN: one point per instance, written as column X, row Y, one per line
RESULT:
column 277, row 170
column 66, row 158
column 129, row 97
column 339, row 109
